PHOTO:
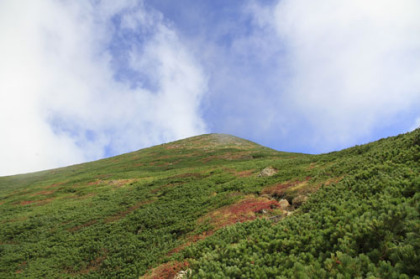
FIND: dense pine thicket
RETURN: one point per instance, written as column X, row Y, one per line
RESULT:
column 174, row 207
column 365, row 226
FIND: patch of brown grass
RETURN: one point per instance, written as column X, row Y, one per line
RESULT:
column 241, row 211
column 244, row 173
column 279, row 189
column 44, row 202
column 166, row 271
column 45, row 193
column 244, row 210
column 26, row 202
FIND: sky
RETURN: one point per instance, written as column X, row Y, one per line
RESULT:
column 84, row 80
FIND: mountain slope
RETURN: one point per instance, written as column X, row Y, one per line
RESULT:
column 124, row 216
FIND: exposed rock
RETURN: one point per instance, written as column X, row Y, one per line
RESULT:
column 182, row 274
column 299, row 200
column 268, row 171
column 283, row 204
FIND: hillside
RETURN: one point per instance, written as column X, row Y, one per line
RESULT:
column 217, row 206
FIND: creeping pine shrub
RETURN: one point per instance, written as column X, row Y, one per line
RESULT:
column 417, row 137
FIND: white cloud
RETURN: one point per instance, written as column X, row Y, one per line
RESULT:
column 416, row 124
column 354, row 65
column 59, row 100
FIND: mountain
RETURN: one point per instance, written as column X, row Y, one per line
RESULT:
column 217, row 206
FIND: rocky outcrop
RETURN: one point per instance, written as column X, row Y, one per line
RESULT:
column 268, row 171
column 283, row 204
column 182, row 274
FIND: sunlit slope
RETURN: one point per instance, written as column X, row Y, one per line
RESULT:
column 119, row 216
column 163, row 209
column 191, row 152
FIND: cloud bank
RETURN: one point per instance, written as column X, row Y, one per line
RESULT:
column 84, row 80
column 353, row 66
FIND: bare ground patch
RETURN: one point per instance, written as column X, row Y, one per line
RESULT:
column 167, row 270
column 244, row 210
column 279, row 190
column 244, row 173
column 43, row 193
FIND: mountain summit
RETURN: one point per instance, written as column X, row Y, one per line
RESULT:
column 217, row 206
column 214, row 141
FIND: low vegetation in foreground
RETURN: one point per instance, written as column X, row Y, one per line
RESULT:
column 216, row 206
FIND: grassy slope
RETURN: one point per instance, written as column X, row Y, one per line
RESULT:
column 123, row 216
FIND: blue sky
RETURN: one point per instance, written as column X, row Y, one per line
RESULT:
column 84, row 80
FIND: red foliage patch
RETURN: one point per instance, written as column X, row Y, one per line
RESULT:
column 241, row 212
column 42, row 193
column 36, row 202
column 96, row 182
column 26, row 202
column 280, row 188
column 244, row 210
column 245, row 173
column 43, row 202
column 167, row 270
